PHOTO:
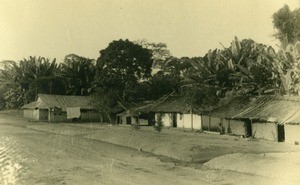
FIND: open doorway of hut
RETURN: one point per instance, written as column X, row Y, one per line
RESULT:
column 128, row 120
column 280, row 131
column 248, row 128
column 174, row 120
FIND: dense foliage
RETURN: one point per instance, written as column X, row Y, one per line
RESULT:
column 121, row 66
column 129, row 72
column 287, row 23
column 78, row 73
column 22, row 81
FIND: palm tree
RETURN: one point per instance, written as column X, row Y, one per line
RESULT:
column 11, row 90
column 23, row 80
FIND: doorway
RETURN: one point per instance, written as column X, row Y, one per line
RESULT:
column 280, row 131
column 248, row 128
column 174, row 120
column 128, row 120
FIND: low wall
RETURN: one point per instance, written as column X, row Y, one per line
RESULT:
column 225, row 124
column 180, row 120
column 36, row 114
column 87, row 116
column 185, row 121
column 91, row 116
column 31, row 114
column 236, row 127
column 210, row 123
column 215, row 124
column 267, row 131
column 205, row 123
column 292, row 133
column 197, row 124
column 166, row 119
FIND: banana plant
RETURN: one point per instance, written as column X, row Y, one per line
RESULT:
column 287, row 64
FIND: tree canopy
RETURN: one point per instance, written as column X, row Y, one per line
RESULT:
column 23, row 80
column 79, row 73
column 287, row 23
column 121, row 66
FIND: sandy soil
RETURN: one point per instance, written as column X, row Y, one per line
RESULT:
column 91, row 153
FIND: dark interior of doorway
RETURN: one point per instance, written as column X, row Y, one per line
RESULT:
column 128, row 120
column 280, row 131
column 174, row 120
column 248, row 128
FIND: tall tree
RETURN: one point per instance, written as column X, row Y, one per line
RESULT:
column 287, row 23
column 160, row 53
column 121, row 66
column 78, row 73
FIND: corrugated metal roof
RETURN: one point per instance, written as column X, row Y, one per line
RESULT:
column 60, row 101
column 280, row 109
column 35, row 105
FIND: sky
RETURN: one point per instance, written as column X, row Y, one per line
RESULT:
column 56, row 28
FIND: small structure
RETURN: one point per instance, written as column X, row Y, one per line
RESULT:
column 176, row 111
column 224, row 117
column 272, row 117
column 58, row 108
column 137, row 115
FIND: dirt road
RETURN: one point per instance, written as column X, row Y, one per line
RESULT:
column 31, row 156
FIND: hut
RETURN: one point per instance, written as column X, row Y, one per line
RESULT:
column 58, row 108
column 270, row 117
column 274, row 118
column 136, row 115
column 176, row 111
column 222, row 119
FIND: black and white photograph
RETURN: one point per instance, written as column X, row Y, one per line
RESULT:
column 149, row 92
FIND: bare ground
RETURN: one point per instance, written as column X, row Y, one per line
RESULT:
column 91, row 153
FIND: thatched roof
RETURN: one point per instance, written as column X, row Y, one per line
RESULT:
column 280, row 109
column 137, row 109
column 172, row 104
column 46, row 101
column 141, row 106
column 231, row 108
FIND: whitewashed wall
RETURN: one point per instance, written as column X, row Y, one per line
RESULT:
column 185, row 121
column 292, row 133
column 166, row 119
column 31, row 114
column 237, row 127
column 267, row 131
column 180, row 120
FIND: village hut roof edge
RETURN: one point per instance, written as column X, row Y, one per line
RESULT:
column 267, row 108
column 60, row 101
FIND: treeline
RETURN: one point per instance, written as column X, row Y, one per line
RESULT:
column 130, row 72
